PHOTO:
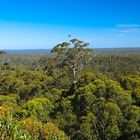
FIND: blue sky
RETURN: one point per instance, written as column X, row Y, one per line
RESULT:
column 40, row 24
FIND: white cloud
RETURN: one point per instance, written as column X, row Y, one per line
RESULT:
column 119, row 31
column 126, row 28
column 128, row 25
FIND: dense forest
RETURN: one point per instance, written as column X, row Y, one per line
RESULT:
column 70, row 93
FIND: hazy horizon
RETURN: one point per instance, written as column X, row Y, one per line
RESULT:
column 105, row 48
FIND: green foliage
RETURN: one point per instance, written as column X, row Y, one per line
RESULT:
column 136, row 95
column 33, row 126
column 2, row 52
column 4, row 99
column 51, row 132
column 38, row 108
column 88, row 128
column 11, row 129
column 66, row 95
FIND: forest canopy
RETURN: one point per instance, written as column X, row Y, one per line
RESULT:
column 72, row 93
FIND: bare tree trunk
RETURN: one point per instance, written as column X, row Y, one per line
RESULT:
column 74, row 75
